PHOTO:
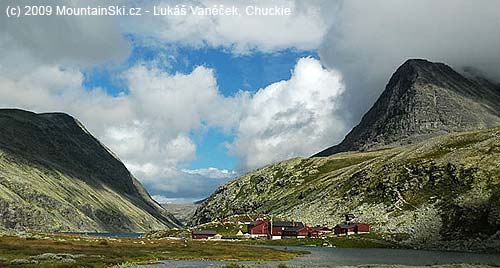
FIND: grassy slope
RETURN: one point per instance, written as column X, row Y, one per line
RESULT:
column 444, row 188
column 55, row 176
column 41, row 198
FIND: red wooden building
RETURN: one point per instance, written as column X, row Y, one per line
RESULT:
column 345, row 229
column 203, row 234
column 258, row 228
column 352, row 228
column 319, row 231
column 276, row 228
column 297, row 232
column 362, row 228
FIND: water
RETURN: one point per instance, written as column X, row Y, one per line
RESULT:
column 120, row 235
column 328, row 257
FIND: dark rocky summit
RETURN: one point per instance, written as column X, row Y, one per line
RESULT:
column 54, row 175
column 423, row 99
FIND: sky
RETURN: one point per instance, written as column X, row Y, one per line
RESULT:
column 190, row 102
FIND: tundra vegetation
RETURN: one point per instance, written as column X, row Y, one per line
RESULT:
column 86, row 251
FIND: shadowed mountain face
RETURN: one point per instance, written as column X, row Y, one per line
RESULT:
column 421, row 100
column 53, row 169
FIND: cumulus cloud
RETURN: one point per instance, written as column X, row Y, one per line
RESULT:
column 304, row 29
column 59, row 39
column 296, row 117
column 211, row 172
column 370, row 39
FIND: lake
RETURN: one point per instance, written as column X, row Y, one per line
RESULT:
column 330, row 257
column 120, row 235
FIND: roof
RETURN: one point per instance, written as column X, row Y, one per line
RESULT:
column 287, row 224
column 344, row 226
column 322, row 228
column 294, row 229
column 204, row 232
column 255, row 223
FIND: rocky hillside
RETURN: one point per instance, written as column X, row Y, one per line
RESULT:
column 423, row 99
column 445, row 188
column 55, row 176
column 427, row 168
column 182, row 212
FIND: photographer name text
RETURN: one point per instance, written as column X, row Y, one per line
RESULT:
column 163, row 10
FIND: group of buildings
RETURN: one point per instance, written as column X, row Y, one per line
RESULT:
column 261, row 228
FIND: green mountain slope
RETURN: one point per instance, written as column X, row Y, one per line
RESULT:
column 55, row 176
column 444, row 188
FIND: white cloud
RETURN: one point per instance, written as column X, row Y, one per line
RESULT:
column 370, row 39
column 167, row 200
column 304, row 29
column 149, row 127
column 59, row 39
column 296, row 117
column 212, row 172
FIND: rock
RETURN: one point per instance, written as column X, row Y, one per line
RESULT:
column 423, row 99
column 22, row 262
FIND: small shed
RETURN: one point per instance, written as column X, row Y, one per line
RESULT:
column 203, row 234
column 345, row 229
column 362, row 228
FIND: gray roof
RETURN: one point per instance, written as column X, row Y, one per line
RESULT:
column 204, row 232
column 343, row 225
column 287, row 224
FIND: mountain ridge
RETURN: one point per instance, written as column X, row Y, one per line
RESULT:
column 423, row 99
column 55, row 152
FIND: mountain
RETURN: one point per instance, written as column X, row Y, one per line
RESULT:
column 55, row 176
column 181, row 211
column 422, row 167
column 443, row 189
column 423, row 99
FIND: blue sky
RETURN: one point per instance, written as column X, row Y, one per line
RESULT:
column 249, row 72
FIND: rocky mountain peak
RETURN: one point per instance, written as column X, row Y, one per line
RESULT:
column 423, row 99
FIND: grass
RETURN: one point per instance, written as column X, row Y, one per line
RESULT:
column 105, row 252
column 352, row 241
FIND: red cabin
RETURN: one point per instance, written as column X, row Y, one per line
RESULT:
column 203, row 234
column 323, row 230
column 352, row 228
column 258, row 228
column 276, row 228
column 362, row 228
column 298, row 232
column 345, row 229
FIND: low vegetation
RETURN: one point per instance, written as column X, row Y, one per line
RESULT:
column 432, row 194
column 351, row 241
column 84, row 251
